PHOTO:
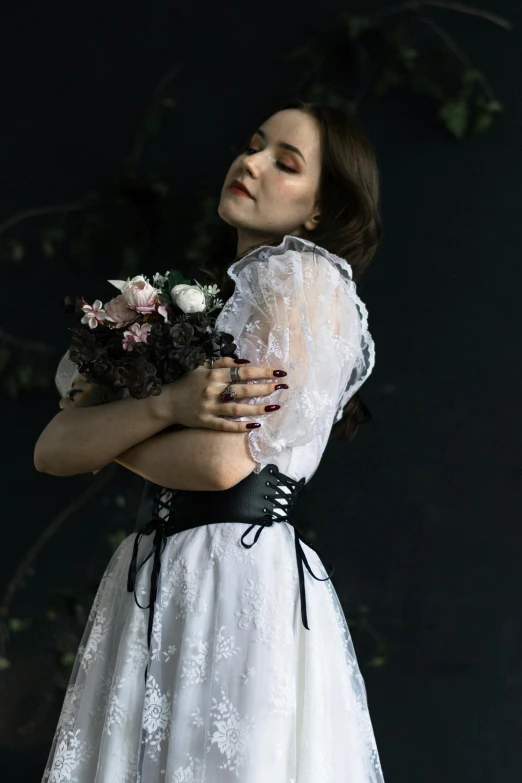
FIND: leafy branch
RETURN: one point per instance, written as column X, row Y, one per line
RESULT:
column 380, row 53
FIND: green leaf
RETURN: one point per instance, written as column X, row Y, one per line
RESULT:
column 16, row 624
column 455, row 116
column 116, row 538
column 152, row 124
column 482, row 122
column 377, row 661
column 4, row 663
column 16, row 249
column 469, row 76
column 66, row 660
column 176, row 278
column 50, row 237
column 356, row 24
column 408, row 56
column 488, row 105
column 161, row 188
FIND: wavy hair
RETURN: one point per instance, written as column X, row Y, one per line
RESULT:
column 349, row 226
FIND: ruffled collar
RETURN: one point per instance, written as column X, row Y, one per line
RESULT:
column 289, row 242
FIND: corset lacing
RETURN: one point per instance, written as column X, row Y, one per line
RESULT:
column 164, row 527
column 272, row 516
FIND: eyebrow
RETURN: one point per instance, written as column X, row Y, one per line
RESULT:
column 283, row 144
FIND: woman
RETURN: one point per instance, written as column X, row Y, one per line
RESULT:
column 214, row 653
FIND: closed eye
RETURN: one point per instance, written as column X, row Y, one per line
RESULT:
column 281, row 165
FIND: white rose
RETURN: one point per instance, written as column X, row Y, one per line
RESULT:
column 189, row 298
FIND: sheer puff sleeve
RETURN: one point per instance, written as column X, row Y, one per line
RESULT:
column 295, row 308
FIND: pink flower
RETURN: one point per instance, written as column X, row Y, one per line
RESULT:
column 93, row 315
column 140, row 295
column 138, row 333
column 118, row 312
column 164, row 311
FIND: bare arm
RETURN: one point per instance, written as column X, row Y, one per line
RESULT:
column 83, row 439
column 194, row 459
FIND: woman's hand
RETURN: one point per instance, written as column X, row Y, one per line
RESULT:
column 83, row 394
column 80, row 395
column 194, row 400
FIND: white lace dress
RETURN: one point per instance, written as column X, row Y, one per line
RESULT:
column 237, row 688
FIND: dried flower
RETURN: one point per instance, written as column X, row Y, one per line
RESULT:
column 117, row 311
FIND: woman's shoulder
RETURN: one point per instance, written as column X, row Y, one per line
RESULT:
column 292, row 254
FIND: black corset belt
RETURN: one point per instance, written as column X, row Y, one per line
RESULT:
column 252, row 501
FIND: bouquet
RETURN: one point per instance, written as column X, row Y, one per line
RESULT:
column 149, row 335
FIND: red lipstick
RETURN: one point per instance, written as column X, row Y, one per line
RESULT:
column 239, row 188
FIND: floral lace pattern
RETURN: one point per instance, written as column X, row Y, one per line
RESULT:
column 296, row 307
column 236, row 688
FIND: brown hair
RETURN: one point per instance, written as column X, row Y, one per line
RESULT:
column 349, row 225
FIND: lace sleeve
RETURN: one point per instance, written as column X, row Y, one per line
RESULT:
column 65, row 374
column 297, row 309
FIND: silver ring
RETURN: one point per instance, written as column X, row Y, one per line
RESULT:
column 211, row 362
column 228, row 390
column 234, row 375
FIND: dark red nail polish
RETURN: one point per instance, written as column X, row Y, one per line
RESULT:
column 281, row 386
column 242, row 361
column 252, row 424
column 272, row 407
column 279, row 373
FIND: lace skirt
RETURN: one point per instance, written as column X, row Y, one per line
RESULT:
column 236, row 688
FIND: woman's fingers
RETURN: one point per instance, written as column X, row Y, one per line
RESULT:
column 247, row 372
column 227, row 425
column 245, row 409
column 213, row 391
column 217, row 411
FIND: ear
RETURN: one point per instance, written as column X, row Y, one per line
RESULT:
column 312, row 222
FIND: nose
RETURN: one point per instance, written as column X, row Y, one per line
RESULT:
column 250, row 165
column 254, row 163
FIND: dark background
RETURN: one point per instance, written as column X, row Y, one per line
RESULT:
column 421, row 513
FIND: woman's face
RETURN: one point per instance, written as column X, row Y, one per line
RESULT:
column 283, row 200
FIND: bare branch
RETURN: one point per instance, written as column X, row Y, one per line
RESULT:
column 459, row 54
column 37, row 211
column 465, row 9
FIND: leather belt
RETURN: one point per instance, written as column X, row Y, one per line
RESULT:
column 252, row 501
